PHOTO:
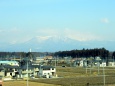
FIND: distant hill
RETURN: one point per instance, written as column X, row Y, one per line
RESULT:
column 56, row 43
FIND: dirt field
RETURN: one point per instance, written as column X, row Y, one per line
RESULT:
column 71, row 76
column 24, row 83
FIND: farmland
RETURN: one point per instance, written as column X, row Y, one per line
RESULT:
column 73, row 76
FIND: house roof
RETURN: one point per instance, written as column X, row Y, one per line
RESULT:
column 1, row 67
column 8, row 62
column 8, row 66
column 46, row 67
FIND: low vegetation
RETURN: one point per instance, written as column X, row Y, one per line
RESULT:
column 72, row 76
column 76, row 76
column 24, row 83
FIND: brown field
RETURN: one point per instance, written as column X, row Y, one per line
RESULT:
column 24, row 83
column 73, row 76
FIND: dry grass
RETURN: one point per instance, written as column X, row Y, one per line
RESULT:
column 72, row 76
column 78, row 81
column 77, row 77
column 24, row 83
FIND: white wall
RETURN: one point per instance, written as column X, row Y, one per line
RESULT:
column 48, row 72
column 103, row 64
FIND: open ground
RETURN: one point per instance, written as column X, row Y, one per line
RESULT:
column 73, row 76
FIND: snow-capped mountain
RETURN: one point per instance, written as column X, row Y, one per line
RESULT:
column 56, row 43
column 50, row 43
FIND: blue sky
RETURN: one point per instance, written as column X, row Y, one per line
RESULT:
column 21, row 20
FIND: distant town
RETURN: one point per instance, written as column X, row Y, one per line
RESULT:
column 24, row 65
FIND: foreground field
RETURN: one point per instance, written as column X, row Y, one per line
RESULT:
column 24, row 83
column 73, row 76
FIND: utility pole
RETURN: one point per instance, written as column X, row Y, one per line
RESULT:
column 113, row 61
column 40, row 74
column 55, row 62
column 20, row 58
column 14, row 58
column 27, row 73
column 27, row 69
column 103, row 75
column 98, row 66
column 90, row 70
column 86, row 65
column 55, row 66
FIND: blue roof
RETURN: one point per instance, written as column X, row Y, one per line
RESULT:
column 8, row 62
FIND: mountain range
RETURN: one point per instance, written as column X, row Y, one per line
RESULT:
column 55, row 43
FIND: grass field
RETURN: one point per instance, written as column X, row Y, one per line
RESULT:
column 73, row 76
column 24, row 83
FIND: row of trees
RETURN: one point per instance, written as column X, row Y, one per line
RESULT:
column 11, row 55
column 102, row 52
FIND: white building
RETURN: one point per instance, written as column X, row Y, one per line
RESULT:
column 47, row 71
column 103, row 64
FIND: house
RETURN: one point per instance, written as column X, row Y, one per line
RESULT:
column 9, row 71
column 85, row 63
column 39, row 59
column 9, row 68
column 88, row 63
column 97, row 63
column 103, row 64
column 26, row 70
column 48, row 57
column 2, row 73
column 29, row 71
column 47, row 71
column 100, row 63
column 111, row 62
column 37, row 71
column 78, row 63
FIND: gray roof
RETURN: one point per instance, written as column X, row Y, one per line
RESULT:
column 47, row 67
column 8, row 66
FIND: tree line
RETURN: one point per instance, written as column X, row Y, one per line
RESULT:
column 11, row 55
column 85, row 53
